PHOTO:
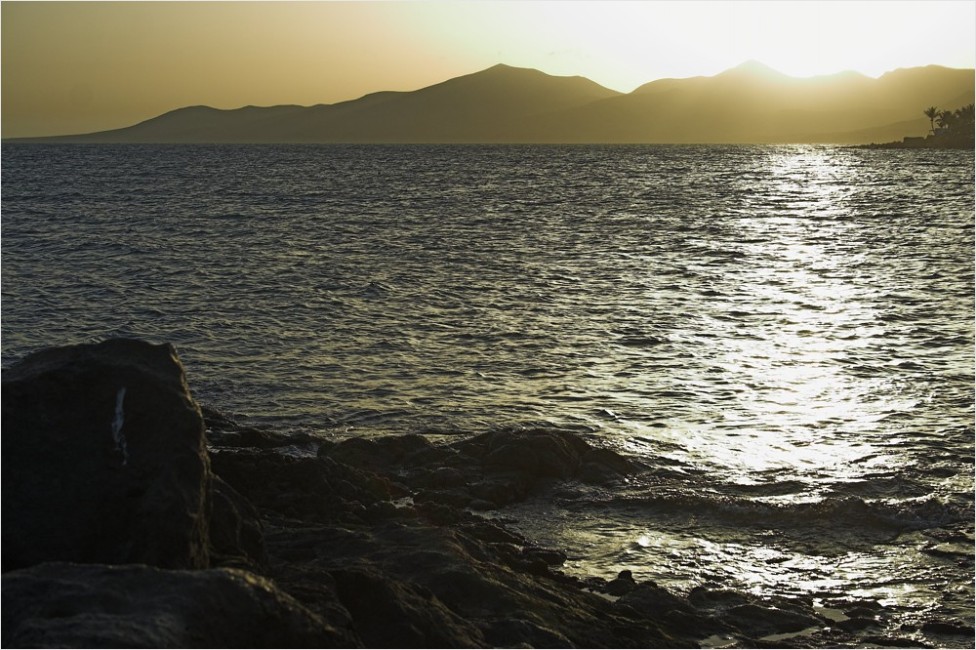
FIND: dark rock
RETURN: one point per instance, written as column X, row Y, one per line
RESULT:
column 649, row 598
column 317, row 488
column 487, row 471
column 103, row 458
column 716, row 598
column 604, row 465
column 548, row 556
column 502, row 490
column 222, row 431
column 753, row 616
column 443, row 477
column 537, row 453
column 948, row 627
column 97, row 606
column 622, row 584
column 384, row 453
column 760, row 620
column 391, row 614
column 236, row 535
column 452, row 498
column 437, row 514
column 855, row 624
column 862, row 611
column 892, row 642
column 522, row 632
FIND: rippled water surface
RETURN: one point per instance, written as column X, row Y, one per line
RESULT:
column 783, row 334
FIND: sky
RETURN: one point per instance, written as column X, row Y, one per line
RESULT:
column 78, row 67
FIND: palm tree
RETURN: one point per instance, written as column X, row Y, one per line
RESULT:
column 946, row 119
column 965, row 115
column 931, row 112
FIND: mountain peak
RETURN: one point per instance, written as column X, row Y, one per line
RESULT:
column 504, row 68
column 754, row 68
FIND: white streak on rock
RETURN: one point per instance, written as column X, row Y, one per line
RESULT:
column 117, row 423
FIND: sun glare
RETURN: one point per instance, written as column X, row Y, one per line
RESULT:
column 796, row 412
column 625, row 44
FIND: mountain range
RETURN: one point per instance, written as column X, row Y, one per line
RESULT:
column 748, row 104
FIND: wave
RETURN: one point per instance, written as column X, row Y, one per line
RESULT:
column 837, row 514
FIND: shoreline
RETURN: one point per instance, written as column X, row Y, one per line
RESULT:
column 927, row 142
column 369, row 543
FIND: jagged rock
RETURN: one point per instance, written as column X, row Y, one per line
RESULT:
column 103, row 458
column 391, row 614
column 316, row 488
column 536, row 453
column 466, row 568
column 98, row 606
column 855, row 624
column 236, row 534
column 760, row 619
column 224, row 432
column 105, row 462
column 487, row 471
column 948, row 627
column 382, row 454
column 623, row 584
column 648, row 597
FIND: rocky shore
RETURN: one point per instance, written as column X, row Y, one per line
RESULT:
column 134, row 518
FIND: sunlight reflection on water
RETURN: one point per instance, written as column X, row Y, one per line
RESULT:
column 796, row 407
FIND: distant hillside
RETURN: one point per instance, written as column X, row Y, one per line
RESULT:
column 747, row 104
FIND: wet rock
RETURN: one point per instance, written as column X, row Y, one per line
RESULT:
column 892, row 642
column 536, row 453
column 948, row 627
column 222, row 431
column 760, row 620
column 500, row 491
column 862, row 611
column 98, row 606
column 487, row 471
column 649, row 598
column 716, row 598
column 855, row 624
column 104, row 458
column 622, row 584
column 383, row 454
column 754, row 617
column 604, row 465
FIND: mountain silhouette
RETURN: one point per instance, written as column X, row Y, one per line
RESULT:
column 750, row 103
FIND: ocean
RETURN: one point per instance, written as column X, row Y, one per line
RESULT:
column 782, row 335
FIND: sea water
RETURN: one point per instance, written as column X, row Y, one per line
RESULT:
column 783, row 336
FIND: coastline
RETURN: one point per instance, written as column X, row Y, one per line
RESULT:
column 293, row 541
column 928, row 142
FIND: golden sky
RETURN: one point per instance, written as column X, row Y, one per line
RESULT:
column 74, row 67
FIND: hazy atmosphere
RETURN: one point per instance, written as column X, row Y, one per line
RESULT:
column 488, row 325
column 87, row 66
